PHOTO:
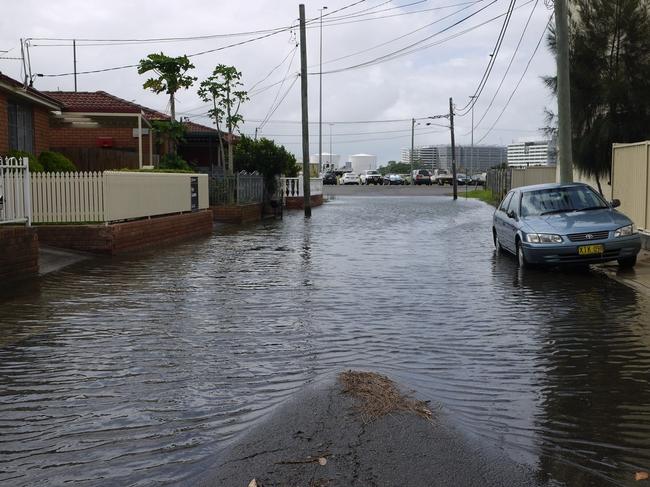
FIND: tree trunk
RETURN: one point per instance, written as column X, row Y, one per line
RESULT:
column 221, row 150
column 172, row 106
column 600, row 189
column 230, row 164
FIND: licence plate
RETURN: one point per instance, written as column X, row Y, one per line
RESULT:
column 591, row 249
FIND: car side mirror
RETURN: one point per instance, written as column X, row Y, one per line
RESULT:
column 511, row 214
column 615, row 203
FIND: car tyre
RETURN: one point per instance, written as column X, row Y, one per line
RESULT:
column 627, row 262
column 497, row 244
column 521, row 257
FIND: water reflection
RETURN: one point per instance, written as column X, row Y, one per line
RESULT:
column 129, row 371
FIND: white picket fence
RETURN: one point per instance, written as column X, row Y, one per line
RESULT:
column 74, row 197
column 15, row 200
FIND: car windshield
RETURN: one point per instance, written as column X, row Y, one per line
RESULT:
column 560, row 200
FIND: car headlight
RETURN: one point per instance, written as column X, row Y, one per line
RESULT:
column 625, row 231
column 544, row 238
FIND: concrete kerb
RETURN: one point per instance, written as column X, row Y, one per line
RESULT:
column 637, row 278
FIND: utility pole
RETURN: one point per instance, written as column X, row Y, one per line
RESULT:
column 330, row 161
column 412, row 144
column 453, row 148
column 74, row 60
column 256, row 129
column 320, row 97
column 22, row 56
column 306, row 189
column 563, row 91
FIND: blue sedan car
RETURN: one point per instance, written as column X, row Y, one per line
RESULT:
column 564, row 224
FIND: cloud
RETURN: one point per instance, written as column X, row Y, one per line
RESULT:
column 416, row 85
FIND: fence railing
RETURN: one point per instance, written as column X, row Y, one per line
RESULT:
column 94, row 197
column 293, row 187
column 15, row 191
column 500, row 181
column 239, row 189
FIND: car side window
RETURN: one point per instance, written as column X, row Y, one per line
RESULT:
column 506, row 201
column 513, row 204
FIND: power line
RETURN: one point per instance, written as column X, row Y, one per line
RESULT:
column 402, row 36
column 493, row 57
column 514, row 55
column 519, row 82
column 398, row 52
column 200, row 53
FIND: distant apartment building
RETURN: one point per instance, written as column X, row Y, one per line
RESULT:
column 469, row 159
column 532, row 153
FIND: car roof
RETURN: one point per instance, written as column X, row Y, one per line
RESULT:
column 537, row 187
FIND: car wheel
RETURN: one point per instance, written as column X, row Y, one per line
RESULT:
column 497, row 243
column 627, row 262
column 521, row 258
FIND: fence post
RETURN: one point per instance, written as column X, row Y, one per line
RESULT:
column 27, row 191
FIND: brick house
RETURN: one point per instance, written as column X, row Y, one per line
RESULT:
column 24, row 117
column 98, row 131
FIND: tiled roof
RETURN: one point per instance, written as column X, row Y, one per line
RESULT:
column 192, row 127
column 102, row 102
column 16, row 86
column 93, row 101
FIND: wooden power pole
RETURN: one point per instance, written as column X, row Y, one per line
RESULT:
column 305, row 114
column 453, row 148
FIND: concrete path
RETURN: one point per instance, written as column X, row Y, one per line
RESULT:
column 52, row 259
column 638, row 277
column 397, row 450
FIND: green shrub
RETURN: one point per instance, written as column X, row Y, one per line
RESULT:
column 175, row 162
column 56, row 162
column 34, row 165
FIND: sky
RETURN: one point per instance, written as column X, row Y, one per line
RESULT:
column 384, row 63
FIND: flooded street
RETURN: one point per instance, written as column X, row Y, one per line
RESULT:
column 130, row 371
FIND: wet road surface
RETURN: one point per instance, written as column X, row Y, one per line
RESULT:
column 132, row 371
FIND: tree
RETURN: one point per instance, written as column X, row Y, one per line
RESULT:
column 396, row 168
column 222, row 90
column 610, row 79
column 265, row 157
column 172, row 75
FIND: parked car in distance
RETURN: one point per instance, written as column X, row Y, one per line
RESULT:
column 479, row 179
column 391, row 179
column 421, row 176
column 564, row 224
column 442, row 177
column 330, row 178
column 371, row 177
column 463, row 179
column 349, row 178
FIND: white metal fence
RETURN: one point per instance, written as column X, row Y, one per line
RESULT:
column 91, row 197
column 242, row 188
column 15, row 198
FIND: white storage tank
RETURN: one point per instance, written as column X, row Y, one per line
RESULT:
column 363, row 162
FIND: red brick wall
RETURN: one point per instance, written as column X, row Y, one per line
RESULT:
column 76, row 137
column 41, row 130
column 237, row 213
column 4, row 125
column 124, row 237
column 296, row 203
column 18, row 254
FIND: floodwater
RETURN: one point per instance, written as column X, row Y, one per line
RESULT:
column 133, row 371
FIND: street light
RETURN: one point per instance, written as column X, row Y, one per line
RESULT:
column 320, row 97
column 471, row 157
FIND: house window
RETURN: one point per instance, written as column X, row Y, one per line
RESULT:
column 21, row 127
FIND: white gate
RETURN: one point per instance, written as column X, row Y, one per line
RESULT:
column 15, row 191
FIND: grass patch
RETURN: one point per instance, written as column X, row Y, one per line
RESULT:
column 484, row 195
column 378, row 396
